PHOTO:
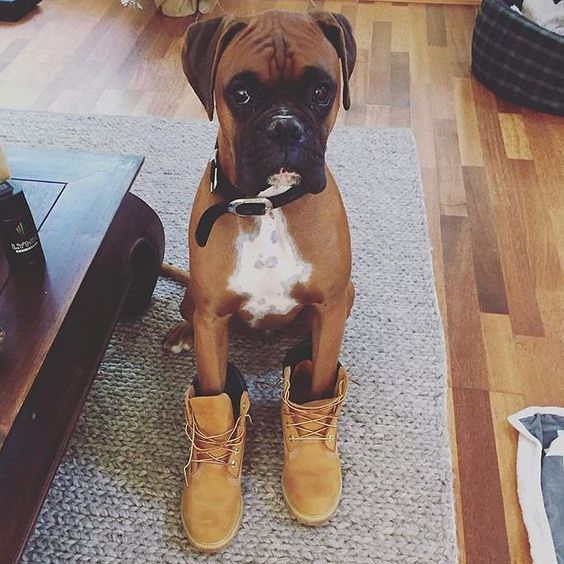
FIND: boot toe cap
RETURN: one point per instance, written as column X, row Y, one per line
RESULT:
column 211, row 525
column 312, row 498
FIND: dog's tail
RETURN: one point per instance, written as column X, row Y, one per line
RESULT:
column 170, row 271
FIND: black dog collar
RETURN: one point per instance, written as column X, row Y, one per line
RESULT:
column 236, row 204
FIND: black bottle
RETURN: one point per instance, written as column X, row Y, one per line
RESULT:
column 17, row 230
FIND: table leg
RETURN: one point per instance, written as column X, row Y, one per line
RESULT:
column 146, row 255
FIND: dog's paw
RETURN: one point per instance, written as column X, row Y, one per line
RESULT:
column 179, row 338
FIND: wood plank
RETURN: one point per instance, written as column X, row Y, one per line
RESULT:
column 467, row 123
column 539, row 236
column 400, row 29
column 419, row 59
column 485, row 250
column 436, row 31
column 422, row 124
column 399, row 81
column 485, row 536
column 514, row 136
column 380, row 65
column 507, row 107
column 456, row 476
column 504, row 405
column 364, row 27
column 442, row 69
column 466, row 349
column 505, row 371
column 459, row 26
column 542, row 360
column 545, row 132
column 356, row 115
column 551, row 306
column 360, row 84
column 377, row 116
column 432, row 209
column 451, row 184
column 503, row 176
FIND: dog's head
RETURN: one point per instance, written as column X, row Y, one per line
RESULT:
column 276, row 81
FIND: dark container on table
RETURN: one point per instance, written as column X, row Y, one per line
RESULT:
column 13, row 10
column 18, row 232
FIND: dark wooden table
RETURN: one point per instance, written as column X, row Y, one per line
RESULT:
column 103, row 248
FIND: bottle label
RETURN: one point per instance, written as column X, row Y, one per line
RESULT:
column 21, row 238
column 25, row 246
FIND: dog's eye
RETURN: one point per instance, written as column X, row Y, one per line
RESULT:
column 322, row 95
column 241, row 96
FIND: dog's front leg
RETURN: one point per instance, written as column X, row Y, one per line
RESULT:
column 327, row 334
column 211, row 341
column 312, row 480
column 216, row 416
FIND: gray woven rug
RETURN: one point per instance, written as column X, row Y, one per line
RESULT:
column 116, row 496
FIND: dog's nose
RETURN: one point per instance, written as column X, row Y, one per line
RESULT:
column 285, row 130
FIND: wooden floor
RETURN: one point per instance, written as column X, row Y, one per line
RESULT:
column 493, row 177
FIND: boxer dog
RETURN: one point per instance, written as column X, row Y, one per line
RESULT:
column 269, row 246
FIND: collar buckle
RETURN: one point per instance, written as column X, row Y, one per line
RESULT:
column 213, row 171
column 235, row 205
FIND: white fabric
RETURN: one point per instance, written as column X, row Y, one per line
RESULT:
column 529, row 456
column 545, row 13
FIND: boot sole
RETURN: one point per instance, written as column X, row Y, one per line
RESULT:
column 218, row 545
column 312, row 520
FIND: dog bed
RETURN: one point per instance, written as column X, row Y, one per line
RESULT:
column 518, row 59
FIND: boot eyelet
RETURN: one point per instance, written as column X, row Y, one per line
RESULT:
column 291, row 438
column 236, row 450
column 233, row 463
column 330, row 437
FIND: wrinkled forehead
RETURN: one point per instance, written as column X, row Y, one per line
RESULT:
column 279, row 46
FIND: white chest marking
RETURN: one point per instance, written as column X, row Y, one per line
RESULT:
column 267, row 266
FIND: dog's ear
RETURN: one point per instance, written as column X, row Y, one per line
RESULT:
column 338, row 31
column 204, row 43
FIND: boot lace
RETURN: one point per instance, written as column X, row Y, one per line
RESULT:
column 230, row 441
column 312, row 414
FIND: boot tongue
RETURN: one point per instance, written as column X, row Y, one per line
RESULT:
column 213, row 414
column 301, row 382
column 322, row 407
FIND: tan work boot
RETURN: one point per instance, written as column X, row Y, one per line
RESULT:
column 212, row 505
column 311, row 481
